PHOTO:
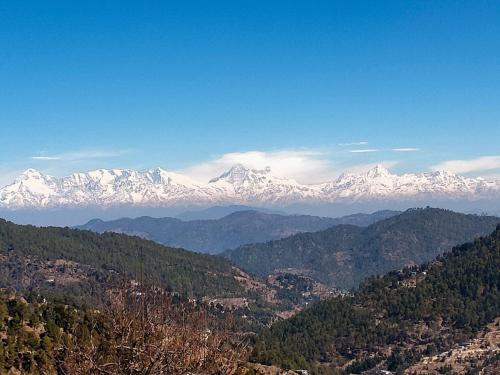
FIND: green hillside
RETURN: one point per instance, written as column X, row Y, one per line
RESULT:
column 392, row 321
column 228, row 232
column 180, row 270
column 343, row 256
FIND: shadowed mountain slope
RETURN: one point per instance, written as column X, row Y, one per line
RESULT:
column 231, row 231
column 394, row 321
column 344, row 255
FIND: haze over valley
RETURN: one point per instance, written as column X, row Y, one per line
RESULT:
column 38, row 198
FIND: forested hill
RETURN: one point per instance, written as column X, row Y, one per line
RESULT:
column 392, row 321
column 233, row 230
column 343, row 256
column 181, row 270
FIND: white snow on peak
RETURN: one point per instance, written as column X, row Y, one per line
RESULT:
column 238, row 174
column 158, row 187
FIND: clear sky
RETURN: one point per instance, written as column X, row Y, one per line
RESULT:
column 298, row 85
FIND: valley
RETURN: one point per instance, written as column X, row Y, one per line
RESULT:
column 249, row 187
column 282, row 288
column 238, row 228
column 344, row 255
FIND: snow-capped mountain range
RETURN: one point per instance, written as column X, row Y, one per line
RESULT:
column 239, row 185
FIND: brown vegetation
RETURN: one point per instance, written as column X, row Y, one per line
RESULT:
column 148, row 332
column 479, row 354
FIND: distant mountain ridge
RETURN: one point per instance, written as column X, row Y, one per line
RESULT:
column 231, row 231
column 218, row 212
column 342, row 256
column 239, row 185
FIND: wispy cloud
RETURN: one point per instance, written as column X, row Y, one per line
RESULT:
column 79, row 155
column 45, row 157
column 364, row 150
column 406, row 149
column 306, row 166
column 361, row 143
column 483, row 163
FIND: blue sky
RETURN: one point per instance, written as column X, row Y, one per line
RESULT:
column 195, row 86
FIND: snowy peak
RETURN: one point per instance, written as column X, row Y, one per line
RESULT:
column 239, row 185
column 101, row 187
column 258, row 186
column 33, row 180
column 31, row 188
column 31, row 173
column 160, row 176
column 378, row 172
column 239, row 175
column 379, row 183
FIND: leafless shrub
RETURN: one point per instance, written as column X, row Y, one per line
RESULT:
column 146, row 331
